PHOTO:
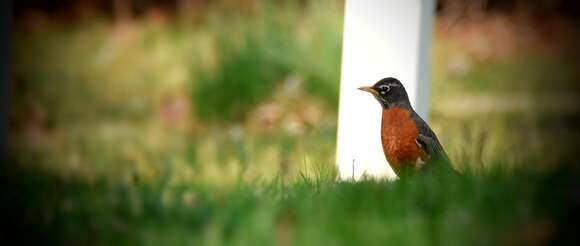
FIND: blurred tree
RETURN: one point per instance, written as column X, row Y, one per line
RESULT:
column 127, row 8
column 185, row 7
column 122, row 10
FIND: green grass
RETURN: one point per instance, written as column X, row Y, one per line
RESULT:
column 519, row 207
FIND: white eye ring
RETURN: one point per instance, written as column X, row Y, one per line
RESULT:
column 382, row 89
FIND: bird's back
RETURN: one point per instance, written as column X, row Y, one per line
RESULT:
column 429, row 141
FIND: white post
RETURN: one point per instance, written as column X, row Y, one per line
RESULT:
column 382, row 38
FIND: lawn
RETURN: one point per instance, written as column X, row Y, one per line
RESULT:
column 494, row 208
column 223, row 132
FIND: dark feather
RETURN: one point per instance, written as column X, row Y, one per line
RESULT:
column 428, row 140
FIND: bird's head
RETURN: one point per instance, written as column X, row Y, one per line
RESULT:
column 389, row 92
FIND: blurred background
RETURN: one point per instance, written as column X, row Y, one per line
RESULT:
column 129, row 112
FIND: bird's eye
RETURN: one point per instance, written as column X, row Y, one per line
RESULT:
column 384, row 89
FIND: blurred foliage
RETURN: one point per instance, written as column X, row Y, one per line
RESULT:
column 247, row 74
column 257, row 51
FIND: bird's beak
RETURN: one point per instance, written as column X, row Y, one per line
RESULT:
column 370, row 90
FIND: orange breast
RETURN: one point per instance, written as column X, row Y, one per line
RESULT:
column 398, row 136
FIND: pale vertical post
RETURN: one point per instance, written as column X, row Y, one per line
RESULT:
column 382, row 38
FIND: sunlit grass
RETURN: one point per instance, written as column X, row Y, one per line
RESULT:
column 437, row 208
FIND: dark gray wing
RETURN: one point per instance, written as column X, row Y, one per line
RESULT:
column 428, row 140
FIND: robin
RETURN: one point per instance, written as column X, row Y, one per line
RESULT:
column 408, row 142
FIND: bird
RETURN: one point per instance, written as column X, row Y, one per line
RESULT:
column 409, row 144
